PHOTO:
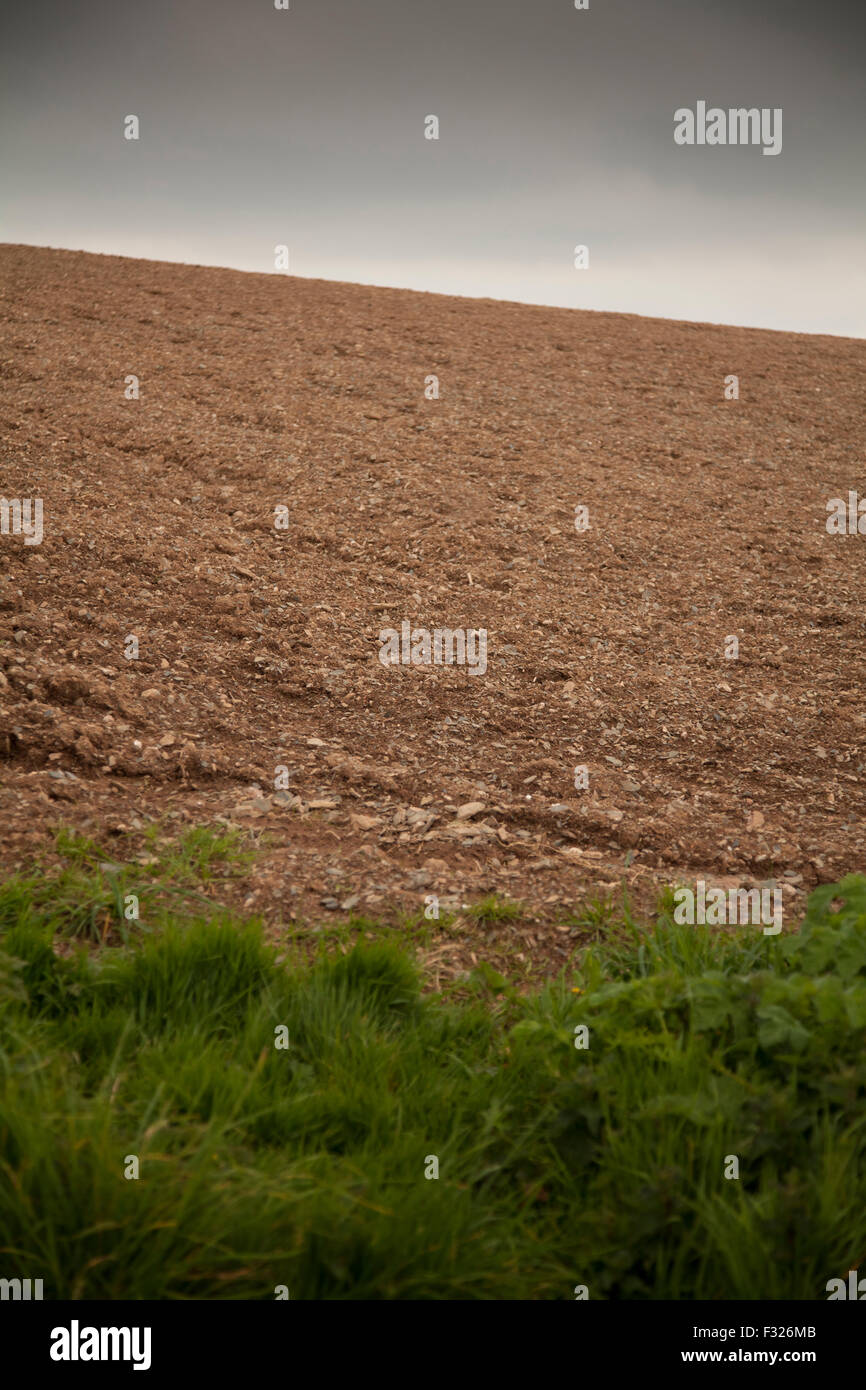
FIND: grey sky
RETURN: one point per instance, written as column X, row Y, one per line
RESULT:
column 306, row 127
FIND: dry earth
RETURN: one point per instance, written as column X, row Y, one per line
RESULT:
column 259, row 647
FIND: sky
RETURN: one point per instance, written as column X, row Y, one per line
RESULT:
column 306, row 128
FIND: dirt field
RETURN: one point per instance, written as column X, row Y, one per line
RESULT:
column 258, row 647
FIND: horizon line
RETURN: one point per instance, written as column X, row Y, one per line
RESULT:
column 438, row 294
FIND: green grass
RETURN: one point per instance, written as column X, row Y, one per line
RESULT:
column 494, row 908
column 304, row 1166
column 89, row 898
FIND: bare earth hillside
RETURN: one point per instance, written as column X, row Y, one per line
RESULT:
column 258, row 646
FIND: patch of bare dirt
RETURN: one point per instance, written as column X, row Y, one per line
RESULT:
column 258, row 647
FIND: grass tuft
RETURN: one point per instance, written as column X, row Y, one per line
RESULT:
column 494, row 908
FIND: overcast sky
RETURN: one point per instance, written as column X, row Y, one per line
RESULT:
column 306, row 127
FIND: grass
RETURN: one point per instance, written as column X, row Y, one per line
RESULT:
column 494, row 908
column 89, row 898
column 304, row 1165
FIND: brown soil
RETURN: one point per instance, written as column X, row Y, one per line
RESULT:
column 259, row 647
